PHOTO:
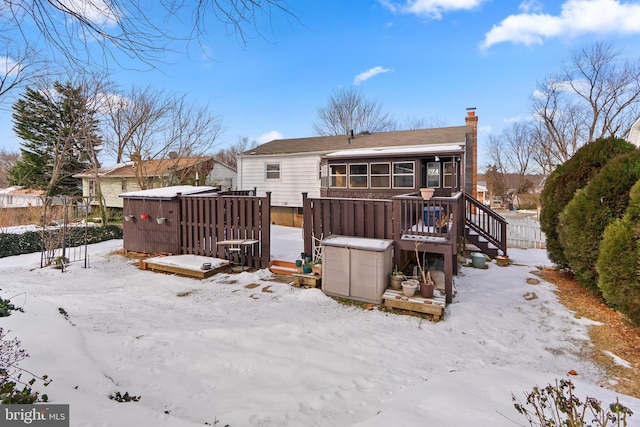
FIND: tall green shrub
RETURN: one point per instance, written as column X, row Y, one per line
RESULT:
column 619, row 261
column 584, row 219
column 562, row 184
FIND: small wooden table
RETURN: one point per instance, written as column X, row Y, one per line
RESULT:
column 237, row 246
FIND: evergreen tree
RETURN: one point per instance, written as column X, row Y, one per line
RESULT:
column 59, row 136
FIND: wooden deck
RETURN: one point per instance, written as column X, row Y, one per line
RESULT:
column 185, row 265
column 434, row 306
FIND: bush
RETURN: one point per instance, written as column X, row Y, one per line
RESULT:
column 31, row 241
column 13, row 390
column 584, row 219
column 619, row 261
column 562, row 184
column 558, row 406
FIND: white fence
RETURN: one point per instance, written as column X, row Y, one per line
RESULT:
column 525, row 233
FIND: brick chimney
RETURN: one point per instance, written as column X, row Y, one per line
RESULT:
column 472, row 157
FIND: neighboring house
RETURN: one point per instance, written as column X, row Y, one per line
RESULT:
column 634, row 134
column 19, row 197
column 147, row 174
column 223, row 176
column 366, row 165
column 529, row 201
column 482, row 193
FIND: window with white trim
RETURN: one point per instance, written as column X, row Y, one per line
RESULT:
column 272, row 171
column 380, row 175
column 358, row 175
column 92, row 188
column 403, row 175
column 338, row 176
column 433, row 174
column 448, row 175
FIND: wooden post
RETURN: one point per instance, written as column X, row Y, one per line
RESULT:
column 265, row 239
column 307, row 225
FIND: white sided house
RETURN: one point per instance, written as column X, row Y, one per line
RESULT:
column 365, row 165
column 634, row 133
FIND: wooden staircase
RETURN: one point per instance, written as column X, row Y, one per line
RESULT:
column 484, row 228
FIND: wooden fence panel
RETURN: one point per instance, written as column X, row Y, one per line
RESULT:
column 213, row 218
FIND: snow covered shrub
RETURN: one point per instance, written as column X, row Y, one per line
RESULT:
column 592, row 209
column 558, row 406
column 562, row 184
column 12, row 388
column 619, row 261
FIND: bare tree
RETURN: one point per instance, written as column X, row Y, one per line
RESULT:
column 155, row 125
column 73, row 28
column 512, row 153
column 412, row 123
column 229, row 155
column 594, row 96
column 7, row 160
column 348, row 110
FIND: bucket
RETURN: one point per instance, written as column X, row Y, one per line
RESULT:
column 478, row 259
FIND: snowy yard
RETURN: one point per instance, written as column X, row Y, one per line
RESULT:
column 201, row 351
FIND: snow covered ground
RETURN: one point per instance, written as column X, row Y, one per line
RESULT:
column 242, row 350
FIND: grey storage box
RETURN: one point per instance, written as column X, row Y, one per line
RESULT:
column 356, row 267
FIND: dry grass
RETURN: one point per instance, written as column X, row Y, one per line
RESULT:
column 616, row 335
column 11, row 217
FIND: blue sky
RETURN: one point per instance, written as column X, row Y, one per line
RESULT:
column 426, row 59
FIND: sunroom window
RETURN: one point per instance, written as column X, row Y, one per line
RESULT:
column 358, row 175
column 403, row 175
column 380, row 175
column 338, row 176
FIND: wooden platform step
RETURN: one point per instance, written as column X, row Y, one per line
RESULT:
column 185, row 265
column 434, row 306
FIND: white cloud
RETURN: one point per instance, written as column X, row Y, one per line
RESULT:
column 96, row 11
column 529, row 6
column 430, row 8
column 9, row 67
column 366, row 75
column 576, row 17
column 269, row 136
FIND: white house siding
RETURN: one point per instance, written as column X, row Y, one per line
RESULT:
column 222, row 175
column 298, row 174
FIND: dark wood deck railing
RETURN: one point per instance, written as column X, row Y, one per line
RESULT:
column 486, row 222
column 408, row 220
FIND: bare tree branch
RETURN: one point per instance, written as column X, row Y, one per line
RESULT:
column 347, row 110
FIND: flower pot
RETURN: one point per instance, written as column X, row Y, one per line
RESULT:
column 306, row 269
column 478, row 259
column 128, row 217
column 144, row 216
column 317, row 269
column 160, row 220
column 409, row 287
column 426, row 290
column 396, row 281
column 427, row 193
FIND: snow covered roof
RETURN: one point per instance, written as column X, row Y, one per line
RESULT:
column 147, row 168
column 386, row 151
column 167, row 192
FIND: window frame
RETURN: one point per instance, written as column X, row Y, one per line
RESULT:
column 452, row 175
column 333, row 175
column 352, row 175
column 429, row 176
column 378, row 175
column 267, row 171
column 394, row 174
